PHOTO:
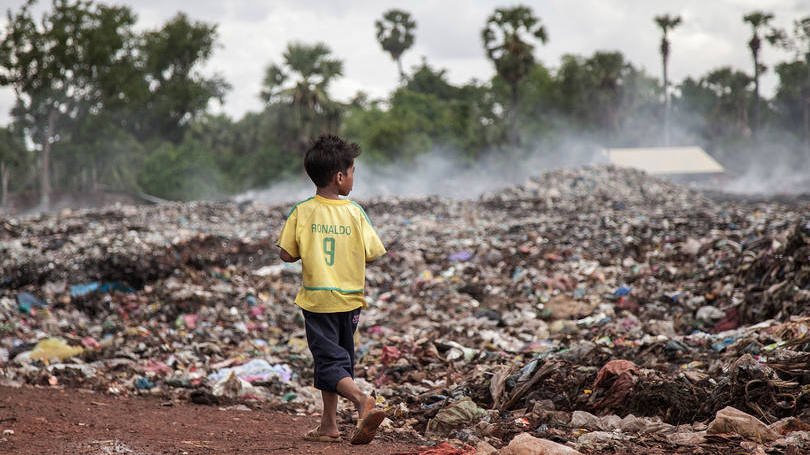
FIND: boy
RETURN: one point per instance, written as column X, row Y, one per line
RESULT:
column 334, row 239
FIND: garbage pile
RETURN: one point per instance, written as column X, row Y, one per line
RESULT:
column 589, row 310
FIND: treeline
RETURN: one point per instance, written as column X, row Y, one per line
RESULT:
column 102, row 107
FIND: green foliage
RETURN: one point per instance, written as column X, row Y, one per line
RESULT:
column 719, row 104
column 12, row 150
column 507, row 37
column 176, row 90
column 602, row 92
column 666, row 23
column 395, row 34
column 91, row 91
column 249, row 152
column 507, row 40
column 298, row 90
column 793, row 97
column 427, row 114
column 14, row 160
column 181, row 172
column 63, row 69
column 100, row 155
column 103, row 106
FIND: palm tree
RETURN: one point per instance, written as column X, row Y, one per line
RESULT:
column 302, row 82
column 758, row 20
column 395, row 34
column 667, row 23
column 507, row 39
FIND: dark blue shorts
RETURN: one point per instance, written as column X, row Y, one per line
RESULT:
column 331, row 340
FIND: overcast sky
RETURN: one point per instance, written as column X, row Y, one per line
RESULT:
column 254, row 33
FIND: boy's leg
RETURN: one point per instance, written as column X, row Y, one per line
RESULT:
column 329, row 425
column 331, row 361
column 370, row 418
column 348, row 389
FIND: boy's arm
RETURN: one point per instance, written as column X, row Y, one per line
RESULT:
column 373, row 245
column 285, row 256
column 287, row 242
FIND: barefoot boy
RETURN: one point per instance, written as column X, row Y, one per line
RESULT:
column 334, row 239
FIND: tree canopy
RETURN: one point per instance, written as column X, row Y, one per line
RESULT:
column 104, row 105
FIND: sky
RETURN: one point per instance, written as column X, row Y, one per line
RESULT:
column 253, row 34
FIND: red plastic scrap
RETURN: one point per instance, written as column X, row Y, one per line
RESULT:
column 618, row 377
column 614, row 368
column 730, row 322
column 157, row 367
column 390, row 354
column 90, row 343
column 190, row 320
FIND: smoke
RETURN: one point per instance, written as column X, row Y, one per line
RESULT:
column 446, row 173
column 774, row 165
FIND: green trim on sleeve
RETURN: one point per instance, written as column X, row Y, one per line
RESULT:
column 296, row 205
column 342, row 291
column 363, row 212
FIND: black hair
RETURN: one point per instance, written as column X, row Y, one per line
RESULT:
column 329, row 155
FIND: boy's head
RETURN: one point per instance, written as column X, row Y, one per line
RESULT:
column 330, row 160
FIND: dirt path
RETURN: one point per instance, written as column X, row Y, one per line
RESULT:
column 69, row 421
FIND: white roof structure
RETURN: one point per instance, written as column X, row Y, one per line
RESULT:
column 665, row 160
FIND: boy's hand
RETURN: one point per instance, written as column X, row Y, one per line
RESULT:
column 285, row 256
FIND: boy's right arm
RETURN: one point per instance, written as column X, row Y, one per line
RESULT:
column 287, row 243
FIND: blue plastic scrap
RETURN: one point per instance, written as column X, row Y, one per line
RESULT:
column 461, row 256
column 622, row 291
column 80, row 290
column 143, row 383
column 723, row 344
column 26, row 301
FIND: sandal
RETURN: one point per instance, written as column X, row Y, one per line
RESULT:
column 367, row 427
column 314, row 435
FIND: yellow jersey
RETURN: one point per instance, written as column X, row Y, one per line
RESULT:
column 334, row 239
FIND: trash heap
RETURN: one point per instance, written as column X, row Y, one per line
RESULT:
column 595, row 310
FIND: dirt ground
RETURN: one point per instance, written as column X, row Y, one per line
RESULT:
column 71, row 421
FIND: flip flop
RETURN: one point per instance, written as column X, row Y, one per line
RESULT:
column 367, row 428
column 314, row 435
column 368, row 407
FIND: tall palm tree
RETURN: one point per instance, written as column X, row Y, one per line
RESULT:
column 667, row 23
column 758, row 20
column 507, row 39
column 395, row 34
column 303, row 82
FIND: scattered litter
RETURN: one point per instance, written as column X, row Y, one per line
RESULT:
column 598, row 307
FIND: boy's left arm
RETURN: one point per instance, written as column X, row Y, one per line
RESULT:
column 286, row 257
column 373, row 245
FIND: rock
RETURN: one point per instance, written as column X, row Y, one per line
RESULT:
column 485, row 448
column 732, row 420
column 526, row 444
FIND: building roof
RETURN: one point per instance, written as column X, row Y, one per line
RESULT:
column 665, row 160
